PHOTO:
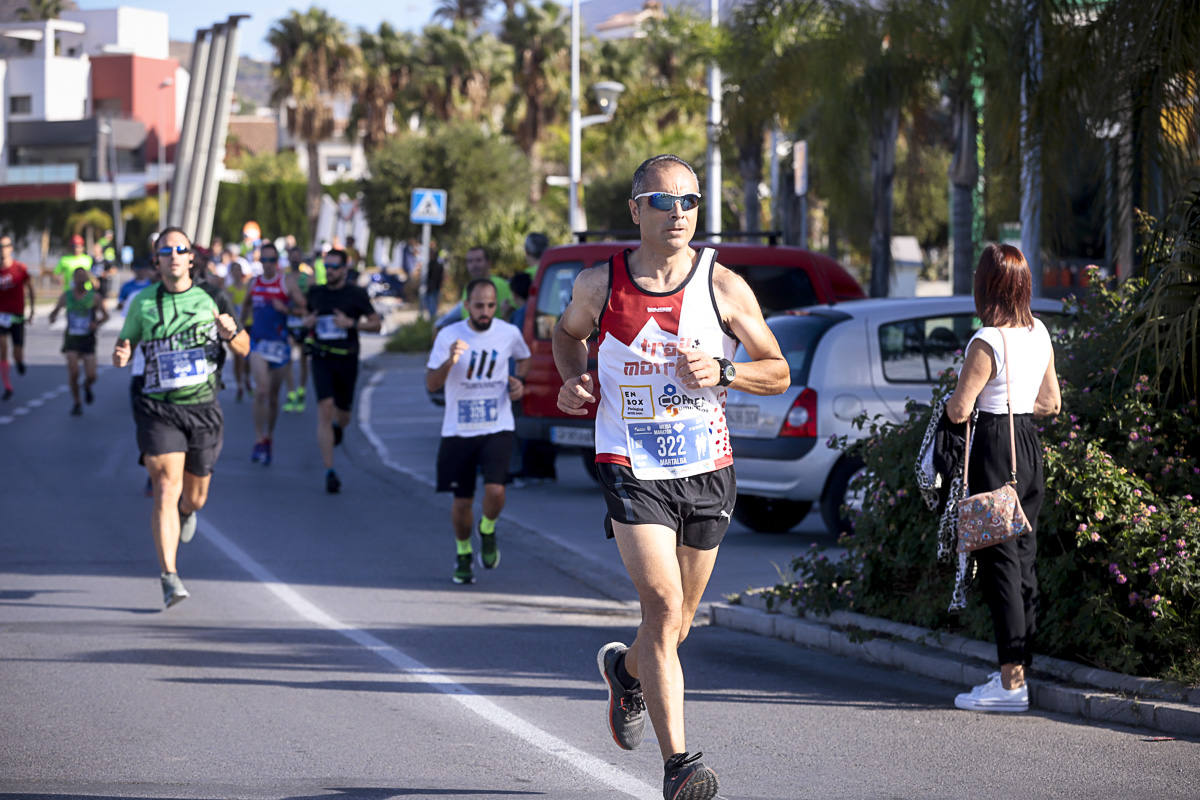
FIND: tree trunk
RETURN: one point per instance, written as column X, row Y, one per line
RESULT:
column 964, row 174
column 313, row 195
column 750, row 166
column 883, row 172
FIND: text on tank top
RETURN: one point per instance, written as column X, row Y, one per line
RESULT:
column 646, row 419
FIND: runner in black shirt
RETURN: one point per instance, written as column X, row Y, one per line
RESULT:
column 337, row 311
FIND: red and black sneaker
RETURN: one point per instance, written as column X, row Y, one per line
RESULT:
column 626, row 707
column 686, row 778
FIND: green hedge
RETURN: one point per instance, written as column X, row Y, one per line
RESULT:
column 1118, row 536
column 277, row 207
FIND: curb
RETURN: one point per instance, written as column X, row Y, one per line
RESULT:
column 1062, row 686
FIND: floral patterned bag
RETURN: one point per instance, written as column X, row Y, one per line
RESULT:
column 989, row 518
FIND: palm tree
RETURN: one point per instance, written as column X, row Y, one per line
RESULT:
column 384, row 57
column 469, row 12
column 314, row 62
column 44, row 9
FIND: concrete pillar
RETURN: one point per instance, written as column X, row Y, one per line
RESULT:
column 187, row 134
column 216, row 147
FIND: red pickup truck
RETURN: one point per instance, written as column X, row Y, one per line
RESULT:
column 782, row 278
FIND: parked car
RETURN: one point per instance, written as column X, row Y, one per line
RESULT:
column 869, row 356
column 782, row 277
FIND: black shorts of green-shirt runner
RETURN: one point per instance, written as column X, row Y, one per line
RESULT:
column 177, row 409
column 334, row 350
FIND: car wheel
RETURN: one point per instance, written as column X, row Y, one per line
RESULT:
column 769, row 514
column 589, row 465
column 838, row 494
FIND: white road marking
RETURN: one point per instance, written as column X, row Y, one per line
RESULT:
column 35, row 402
column 46, row 396
column 486, row 709
column 364, row 422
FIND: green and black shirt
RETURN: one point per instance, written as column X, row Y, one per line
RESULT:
column 177, row 332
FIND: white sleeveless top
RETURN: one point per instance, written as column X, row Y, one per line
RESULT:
column 1029, row 352
column 646, row 419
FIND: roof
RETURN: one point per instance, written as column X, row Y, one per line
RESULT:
column 255, row 135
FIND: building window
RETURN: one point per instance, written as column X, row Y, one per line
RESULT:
column 338, row 164
column 20, row 104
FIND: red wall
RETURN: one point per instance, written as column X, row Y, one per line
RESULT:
column 135, row 81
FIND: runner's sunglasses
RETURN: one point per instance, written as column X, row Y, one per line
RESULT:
column 181, row 249
column 665, row 202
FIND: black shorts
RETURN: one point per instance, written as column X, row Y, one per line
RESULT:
column 335, row 376
column 696, row 508
column 459, row 458
column 84, row 345
column 197, row 430
column 16, row 332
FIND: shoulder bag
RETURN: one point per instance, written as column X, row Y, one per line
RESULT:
column 989, row 518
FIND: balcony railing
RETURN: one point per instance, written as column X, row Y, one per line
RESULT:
column 43, row 173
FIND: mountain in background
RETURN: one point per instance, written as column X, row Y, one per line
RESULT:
column 253, row 82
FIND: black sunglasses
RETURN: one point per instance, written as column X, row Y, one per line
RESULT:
column 664, row 201
column 181, row 249
column 269, row 259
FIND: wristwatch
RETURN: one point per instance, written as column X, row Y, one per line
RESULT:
column 728, row 371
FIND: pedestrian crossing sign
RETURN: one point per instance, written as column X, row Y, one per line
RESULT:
column 428, row 207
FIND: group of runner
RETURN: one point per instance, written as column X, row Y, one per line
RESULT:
column 668, row 480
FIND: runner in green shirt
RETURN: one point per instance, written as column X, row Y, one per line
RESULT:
column 85, row 314
column 76, row 259
column 180, row 428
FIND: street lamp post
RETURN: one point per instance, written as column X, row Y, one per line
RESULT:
column 108, row 129
column 607, row 94
column 162, row 166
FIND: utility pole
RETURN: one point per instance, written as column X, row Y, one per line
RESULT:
column 1031, row 147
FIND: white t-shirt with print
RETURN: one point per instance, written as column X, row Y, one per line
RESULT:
column 477, row 385
column 1029, row 351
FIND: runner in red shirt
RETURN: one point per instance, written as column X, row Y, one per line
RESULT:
column 15, row 287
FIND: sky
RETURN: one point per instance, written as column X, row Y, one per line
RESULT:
column 187, row 16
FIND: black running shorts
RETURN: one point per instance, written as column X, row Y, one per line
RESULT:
column 197, row 430
column 460, row 458
column 16, row 332
column 84, row 345
column 335, row 376
column 696, row 508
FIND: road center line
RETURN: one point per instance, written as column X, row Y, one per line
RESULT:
column 488, row 710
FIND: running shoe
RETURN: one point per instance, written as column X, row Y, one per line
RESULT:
column 87, row 394
column 20, row 367
column 187, row 526
column 298, row 404
column 462, row 570
column 332, row 484
column 489, row 553
column 626, row 707
column 338, row 433
column 77, row 410
column 992, row 696
column 289, row 405
column 240, row 392
column 7, row 394
column 686, row 778
column 173, row 589
column 266, row 456
column 256, row 454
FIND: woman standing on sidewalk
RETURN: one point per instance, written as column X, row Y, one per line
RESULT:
column 1010, row 359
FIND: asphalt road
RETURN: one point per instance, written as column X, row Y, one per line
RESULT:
column 324, row 652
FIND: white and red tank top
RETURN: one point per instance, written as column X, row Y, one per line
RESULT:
column 646, row 419
column 268, row 322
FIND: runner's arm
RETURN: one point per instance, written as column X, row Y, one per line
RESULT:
column 248, row 302
column 62, row 299
column 767, row 372
column 101, row 313
column 29, row 295
column 571, row 333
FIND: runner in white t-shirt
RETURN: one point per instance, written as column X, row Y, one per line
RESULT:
column 471, row 360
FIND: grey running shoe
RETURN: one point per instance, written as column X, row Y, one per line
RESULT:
column 187, row 526
column 462, row 569
column 489, row 553
column 173, row 589
column 626, row 707
column 686, row 778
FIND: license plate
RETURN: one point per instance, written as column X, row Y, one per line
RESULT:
column 741, row 416
column 576, row 437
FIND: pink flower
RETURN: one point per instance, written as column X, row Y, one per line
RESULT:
column 1121, row 579
column 1082, row 526
column 1099, row 515
column 1152, row 509
column 1133, row 437
column 1154, row 569
column 1095, row 536
column 1113, row 569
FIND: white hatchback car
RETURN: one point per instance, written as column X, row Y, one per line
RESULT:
column 859, row 356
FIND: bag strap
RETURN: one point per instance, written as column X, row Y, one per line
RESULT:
column 1012, row 437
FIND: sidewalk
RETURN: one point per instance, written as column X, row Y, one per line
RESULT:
column 403, row 426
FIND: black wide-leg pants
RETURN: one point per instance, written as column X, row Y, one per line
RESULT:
column 1007, row 571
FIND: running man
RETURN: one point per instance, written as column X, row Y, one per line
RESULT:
column 179, row 332
column 298, row 278
column 268, row 300
column 662, row 447
column 85, row 314
column 471, row 359
column 69, row 262
column 143, row 276
column 337, row 311
column 238, row 287
column 16, row 297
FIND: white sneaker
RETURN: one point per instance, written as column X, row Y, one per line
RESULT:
column 992, row 696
